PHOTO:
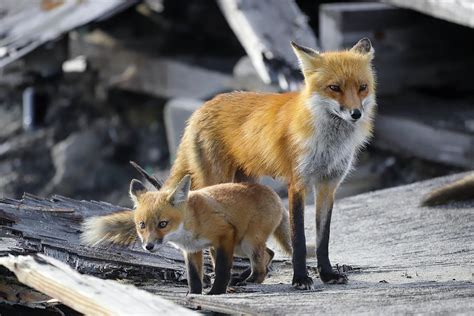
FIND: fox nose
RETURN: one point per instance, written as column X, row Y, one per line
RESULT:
column 149, row 246
column 356, row 114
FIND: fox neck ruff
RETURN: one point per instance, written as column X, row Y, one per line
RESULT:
column 329, row 153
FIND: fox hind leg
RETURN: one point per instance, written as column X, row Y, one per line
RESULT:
column 241, row 278
column 259, row 259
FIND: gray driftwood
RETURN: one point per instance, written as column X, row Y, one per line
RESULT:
column 265, row 29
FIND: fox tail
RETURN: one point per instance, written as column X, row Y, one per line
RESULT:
column 282, row 234
column 460, row 190
column 117, row 228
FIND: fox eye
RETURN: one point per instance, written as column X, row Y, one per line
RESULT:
column 162, row 224
column 141, row 225
column 335, row 88
column 362, row 87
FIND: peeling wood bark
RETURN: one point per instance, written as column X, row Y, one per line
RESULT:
column 87, row 294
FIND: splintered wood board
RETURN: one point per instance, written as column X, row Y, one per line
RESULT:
column 87, row 294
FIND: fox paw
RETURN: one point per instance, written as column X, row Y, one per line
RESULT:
column 238, row 281
column 302, row 283
column 333, row 277
column 216, row 292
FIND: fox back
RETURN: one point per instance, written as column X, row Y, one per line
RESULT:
column 302, row 135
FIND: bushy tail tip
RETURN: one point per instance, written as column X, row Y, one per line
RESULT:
column 282, row 234
column 117, row 228
column 460, row 190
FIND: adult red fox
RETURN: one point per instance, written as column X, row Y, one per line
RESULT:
column 307, row 138
column 229, row 218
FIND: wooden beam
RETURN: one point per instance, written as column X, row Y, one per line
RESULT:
column 414, row 138
column 456, row 11
column 430, row 128
column 87, row 294
column 265, row 29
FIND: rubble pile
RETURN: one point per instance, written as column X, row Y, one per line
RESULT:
column 70, row 126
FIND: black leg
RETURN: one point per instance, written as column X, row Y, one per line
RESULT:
column 301, row 280
column 223, row 268
column 240, row 279
column 194, row 270
column 324, row 204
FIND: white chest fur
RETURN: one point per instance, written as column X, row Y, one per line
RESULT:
column 186, row 240
column 329, row 153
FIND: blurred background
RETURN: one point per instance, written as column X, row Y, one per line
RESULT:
column 87, row 85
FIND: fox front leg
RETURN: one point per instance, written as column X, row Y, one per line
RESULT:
column 223, row 267
column 301, row 280
column 194, row 270
column 324, row 196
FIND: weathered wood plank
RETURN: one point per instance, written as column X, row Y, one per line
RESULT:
column 396, row 134
column 457, row 11
column 87, row 294
column 416, row 125
column 164, row 77
column 265, row 29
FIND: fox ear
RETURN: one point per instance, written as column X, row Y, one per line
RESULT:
column 180, row 194
column 136, row 190
column 364, row 47
column 307, row 57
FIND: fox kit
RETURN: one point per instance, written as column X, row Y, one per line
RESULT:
column 229, row 218
column 308, row 138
